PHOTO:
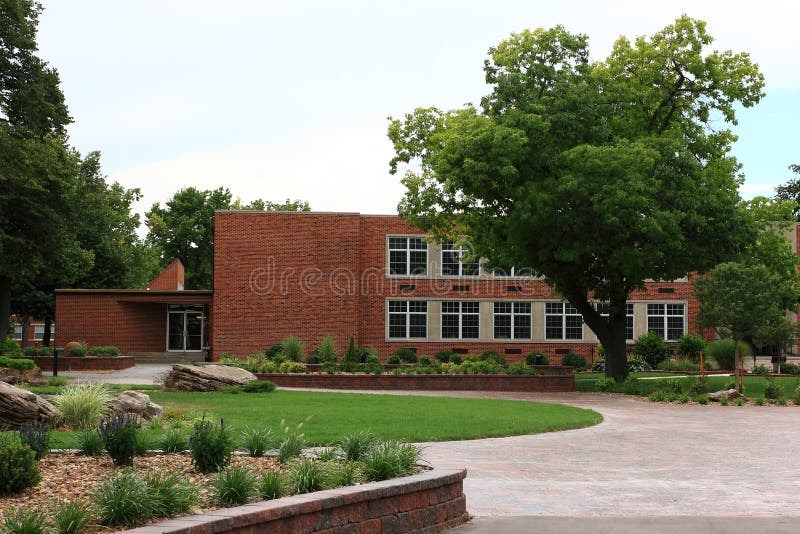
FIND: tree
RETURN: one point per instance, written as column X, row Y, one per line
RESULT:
column 791, row 191
column 598, row 176
column 184, row 228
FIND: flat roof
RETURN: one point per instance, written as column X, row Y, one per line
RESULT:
column 170, row 292
column 309, row 213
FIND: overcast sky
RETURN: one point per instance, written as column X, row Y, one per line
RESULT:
column 289, row 100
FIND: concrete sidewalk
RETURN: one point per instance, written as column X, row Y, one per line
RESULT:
column 630, row 525
column 138, row 374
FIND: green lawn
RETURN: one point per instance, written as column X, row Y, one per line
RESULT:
column 406, row 418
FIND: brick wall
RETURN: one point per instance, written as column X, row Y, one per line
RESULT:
column 170, row 279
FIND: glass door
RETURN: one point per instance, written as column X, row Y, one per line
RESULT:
column 176, row 331
column 194, row 331
column 185, row 330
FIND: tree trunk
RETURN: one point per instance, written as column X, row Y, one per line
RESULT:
column 5, row 306
column 736, row 366
column 26, row 327
column 48, row 324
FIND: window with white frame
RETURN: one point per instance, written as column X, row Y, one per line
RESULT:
column 460, row 320
column 602, row 307
column 38, row 332
column 408, row 256
column 512, row 320
column 562, row 321
column 18, row 331
column 512, row 272
column 452, row 264
column 667, row 320
column 408, row 319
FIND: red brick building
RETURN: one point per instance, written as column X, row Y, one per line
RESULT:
column 341, row 274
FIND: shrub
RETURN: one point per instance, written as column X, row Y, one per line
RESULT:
column 574, row 360
column 722, row 352
column 781, row 402
column 9, row 347
column 89, row 442
column 17, row 364
column 739, row 402
column 760, row 370
column 698, row 386
column 772, row 390
column 330, row 368
column 108, row 350
column 274, row 351
column 723, row 401
column 327, row 350
column 211, row 446
column 520, row 369
column 373, row 368
column 690, row 346
column 479, row 367
column 351, row 358
column 394, row 359
column 425, row 361
column 292, row 367
column 656, row 396
column 702, row 399
column 605, row 384
column 71, row 517
column 256, row 441
column 119, row 433
column 270, row 485
column 365, row 353
column 444, row 356
column 405, row 355
column 259, row 386
column 293, row 348
column 536, row 358
column 174, row 440
column 638, row 365
column 56, row 381
column 173, row 496
column 19, row 468
column 356, row 445
column 682, row 366
column 235, row 486
column 341, row 474
column 492, row 356
column 76, row 352
column 125, row 501
column 292, row 442
column 37, row 351
column 82, row 406
column 306, row 476
column 36, row 436
column 631, row 386
column 456, row 359
column 390, row 459
column 22, row 521
column 789, row 369
column 652, row 348
column 313, row 359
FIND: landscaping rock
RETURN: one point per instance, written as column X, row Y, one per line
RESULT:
column 725, row 394
column 208, row 378
column 20, row 406
column 31, row 377
column 136, row 402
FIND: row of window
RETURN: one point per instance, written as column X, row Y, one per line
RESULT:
column 408, row 256
column 38, row 332
column 408, row 319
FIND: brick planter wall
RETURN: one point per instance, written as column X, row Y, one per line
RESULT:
column 552, row 383
column 84, row 363
column 429, row 502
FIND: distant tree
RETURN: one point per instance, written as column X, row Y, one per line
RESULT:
column 791, row 191
column 184, row 228
column 599, row 176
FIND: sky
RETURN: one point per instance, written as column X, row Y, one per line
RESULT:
column 279, row 100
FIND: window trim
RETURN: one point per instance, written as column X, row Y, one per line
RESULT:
column 14, row 335
column 563, row 316
column 665, row 316
column 632, row 315
column 460, row 250
column 512, row 315
column 460, row 316
column 407, row 314
column 514, row 275
column 388, row 251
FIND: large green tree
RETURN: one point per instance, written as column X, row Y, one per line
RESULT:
column 791, row 191
column 599, row 176
column 184, row 228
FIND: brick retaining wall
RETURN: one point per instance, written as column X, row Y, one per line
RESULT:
column 539, row 383
column 429, row 502
column 84, row 363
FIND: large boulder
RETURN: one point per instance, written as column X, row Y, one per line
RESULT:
column 31, row 377
column 725, row 394
column 136, row 402
column 20, row 406
column 207, row 378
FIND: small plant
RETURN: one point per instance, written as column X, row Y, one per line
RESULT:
column 109, row 350
column 444, row 356
column 327, row 454
column 492, row 356
column 327, row 350
column 211, row 446
column 772, row 390
column 56, row 381
column 781, row 402
column 270, row 485
column 341, row 474
column 306, row 476
column 256, row 441
column 19, row 468
column 390, row 459
column 173, row 495
column 173, row 440
column 259, row 386
column 788, row 369
column 293, row 348
column 574, row 360
column 690, row 346
column 684, row 398
column 36, row 436
column 273, row 351
column 702, row 399
column 759, row 370
column 797, row 394
column 723, row 401
column 631, row 386
column 760, row 401
column 656, row 396
column 698, row 386
column 292, row 367
column 605, row 384
column 119, row 433
column 76, row 352
column 22, row 521
column 235, row 486
column 356, row 446
column 292, row 442
column 404, row 355
column 739, row 402
column 71, row 517
column 373, row 367
column 89, row 442
column 652, row 348
column 536, row 358
column 425, row 361
column 83, row 405
column 521, row 369
column 125, row 501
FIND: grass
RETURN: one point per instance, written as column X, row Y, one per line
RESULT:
column 403, row 418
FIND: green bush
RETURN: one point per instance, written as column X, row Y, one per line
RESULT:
column 760, row 401
column 759, row 370
column 211, row 446
column 574, row 360
column 631, row 386
column 536, row 358
column 270, row 485
column 652, row 348
column 274, row 351
column 76, row 352
column 492, row 356
column 108, row 350
column 425, row 361
column 682, row 366
column 356, row 445
column 292, row 367
column 373, row 368
column 394, row 359
column 327, row 350
column 656, row 396
column 119, row 433
column 18, row 364
column 772, row 390
column 702, row 399
column 259, row 386
column 340, row 474
column 235, row 486
column 638, row 365
column 444, row 356
column 9, row 347
column 739, row 402
column 173, row 495
column 71, row 517
column 89, row 442
column 789, row 369
column 478, row 367
column 125, row 500
column 306, row 476
column 56, row 381
column 405, row 355
column 389, row 459
column 22, row 521
column 36, row 435
column 293, row 348
column 82, row 406
column 256, row 441
column 605, row 384
column 351, row 358
column 313, row 359
column 19, row 468
column 722, row 352
column 690, row 346
column 521, row 369
column 723, row 401
column 37, row 351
